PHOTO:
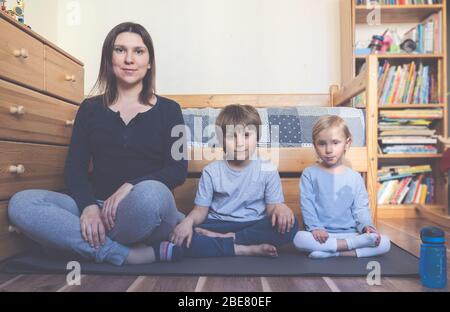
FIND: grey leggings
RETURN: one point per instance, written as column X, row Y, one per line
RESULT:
column 147, row 214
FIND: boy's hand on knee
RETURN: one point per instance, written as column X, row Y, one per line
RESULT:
column 320, row 235
column 183, row 232
column 283, row 218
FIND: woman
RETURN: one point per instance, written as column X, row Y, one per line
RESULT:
column 126, row 131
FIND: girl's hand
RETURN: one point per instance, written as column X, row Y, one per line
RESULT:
column 320, row 235
column 110, row 205
column 92, row 228
column 283, row 218
column 369, row 229
column 183, row 232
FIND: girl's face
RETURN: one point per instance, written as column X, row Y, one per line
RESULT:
column 130, row 59
column 331, row 145
column 240, row 142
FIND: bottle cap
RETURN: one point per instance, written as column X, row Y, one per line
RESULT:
column 432, row 235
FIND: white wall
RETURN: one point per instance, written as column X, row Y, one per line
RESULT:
column 213, row 46
column 41, row 15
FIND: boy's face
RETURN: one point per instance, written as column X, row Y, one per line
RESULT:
column 240, row 142
column 331, row 145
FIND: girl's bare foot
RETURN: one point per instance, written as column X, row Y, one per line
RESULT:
column 213, row 234
column 256, row 250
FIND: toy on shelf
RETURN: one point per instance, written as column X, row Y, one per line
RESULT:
column 19, row 11
column 388, row 42
column 396, row 42
column 376, row 44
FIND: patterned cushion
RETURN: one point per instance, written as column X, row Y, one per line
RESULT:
column 289, row 127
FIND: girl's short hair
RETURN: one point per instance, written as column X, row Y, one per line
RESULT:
column 328, row 121
column 236, row 114
column 106, row 84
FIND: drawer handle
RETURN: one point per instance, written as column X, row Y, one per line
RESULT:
column 19, row 169
column 23, row 53
column 17, row 110
column 71, row 78
column 70, row 123
column 13, row 229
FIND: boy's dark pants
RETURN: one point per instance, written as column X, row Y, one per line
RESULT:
column 247, row 233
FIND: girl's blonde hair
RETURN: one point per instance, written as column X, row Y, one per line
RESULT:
column 328, row 121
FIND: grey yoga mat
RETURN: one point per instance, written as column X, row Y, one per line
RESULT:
column 290, row 262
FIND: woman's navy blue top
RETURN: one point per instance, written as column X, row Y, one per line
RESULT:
column 123, row 153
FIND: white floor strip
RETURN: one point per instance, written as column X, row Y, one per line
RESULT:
column 331, row 284
column 65, row 287
column 10, row 281
column 265, row 285
column 136, row 283
column 200, row 284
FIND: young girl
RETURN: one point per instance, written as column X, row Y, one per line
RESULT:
column 334, row 201
column 127, row 133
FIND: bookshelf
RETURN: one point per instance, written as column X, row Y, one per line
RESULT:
column 413, row 13
column 354, row 19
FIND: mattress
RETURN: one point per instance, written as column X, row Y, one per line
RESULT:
column 281, row 127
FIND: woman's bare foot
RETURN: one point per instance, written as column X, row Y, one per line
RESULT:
column 256, row 250
column 213, row 234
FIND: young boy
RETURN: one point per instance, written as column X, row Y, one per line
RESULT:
column 239, row 207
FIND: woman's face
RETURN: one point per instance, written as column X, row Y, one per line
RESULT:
column 130, row 59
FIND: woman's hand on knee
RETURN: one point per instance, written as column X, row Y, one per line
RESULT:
column 110, row 205
column 92, row 228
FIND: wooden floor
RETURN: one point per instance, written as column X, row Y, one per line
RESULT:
column 403, row 232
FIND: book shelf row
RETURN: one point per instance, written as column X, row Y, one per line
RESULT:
column 405, row 185
column 398, row 2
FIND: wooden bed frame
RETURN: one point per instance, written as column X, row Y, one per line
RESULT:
column 292, row 161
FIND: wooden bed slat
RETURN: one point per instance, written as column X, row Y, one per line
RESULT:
column 256, row 100
column 288, row 159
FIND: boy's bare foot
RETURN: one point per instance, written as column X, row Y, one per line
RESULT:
column 256, row 250
column 213, row 234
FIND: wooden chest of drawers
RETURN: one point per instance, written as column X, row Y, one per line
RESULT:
column 41, row 87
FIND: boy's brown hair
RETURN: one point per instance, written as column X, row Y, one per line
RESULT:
column 328, row 121
column 236, row 114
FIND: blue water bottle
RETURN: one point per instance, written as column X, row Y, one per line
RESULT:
column 433, row 258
